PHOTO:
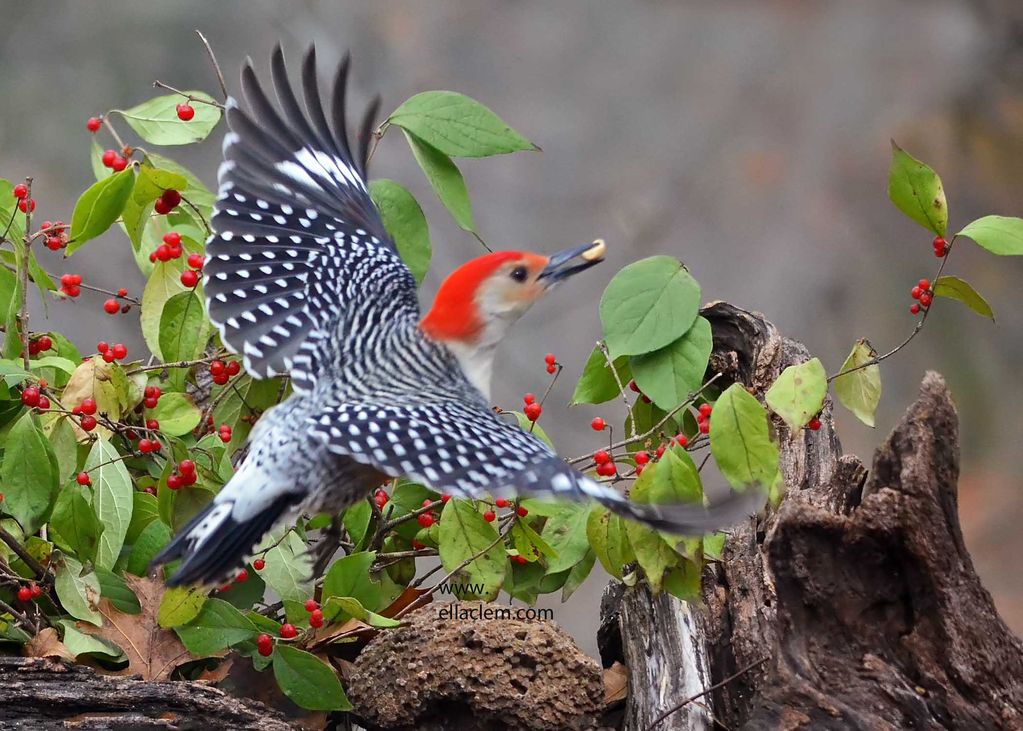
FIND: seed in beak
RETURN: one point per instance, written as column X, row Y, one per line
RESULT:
column 596, row 251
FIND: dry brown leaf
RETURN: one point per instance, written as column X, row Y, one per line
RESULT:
column 152, row 652
column 47, row 644
column 407, row 597
column 219, row 672
column 616, row 684
column 353, row 628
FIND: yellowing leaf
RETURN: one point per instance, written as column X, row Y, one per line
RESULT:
column 799, row 393
column 961, row 290
column 860, row 389
column 1001, row 235
column 916, row 190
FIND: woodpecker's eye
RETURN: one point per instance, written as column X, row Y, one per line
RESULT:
column 519, row 274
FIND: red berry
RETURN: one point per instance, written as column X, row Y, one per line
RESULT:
column 225, row 435
column 259, row 564
column 119, row 350
column 185, row 112
column 814, row 424
column 915, row 293
column 36, row 591
column 186, row 467
column 705, row 410
column 704, row 427
column 173, row 482
column 633, row 386
column 45, row 343
column 939, row 242
column 241, row 577
column 24, row 594
column 172, row 239
column 607, row 469
column 152, row 424
column 143, row 445
column 195, row 261
column 84, row 479
column 171, row 198
column 521, row 512
column 93, row 124
column 264, row 645
column 444, row 499
column 600, row 457
column 642, row 458
column 521, row 560
column 532, row 411
column 122, row 292
column 108, row 158
column 233, row 368
column 149, row 403
column 88, row 423
column 427, row 502
column 53, row 243
column 20, row 191
column 417, row 545
column 221, row 379
column 925, row 299
column 26, row 205
column 924, row 284
column 161, row 207
column 940, row 252
column 552, row 368
column 597, row 424
column 44, row 403
column 549, row 359
column 119, row 164
column 163, row 252
column 528, row 399
column 316, row 618
column 111, row 307
column 288, row 631
column 425, row 520
column 914, row 309
column 108, row 357
column 489, row 516
column 30, row 396
column 311, row 605
column 89, row 406
column 102, row 347
column 501, row 502
column 189, row 278
column 217, row 367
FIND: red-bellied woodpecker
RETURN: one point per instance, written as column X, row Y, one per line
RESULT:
column 302, row 279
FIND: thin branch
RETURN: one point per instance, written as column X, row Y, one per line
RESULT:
column 734, row 676
column 36, row 567
column 23, row 275
column 213, row 60
column 206, row 225
column 214, row 103
column 113, row 133
column 618, row 382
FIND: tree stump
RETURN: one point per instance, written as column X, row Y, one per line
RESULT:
column 855, row 605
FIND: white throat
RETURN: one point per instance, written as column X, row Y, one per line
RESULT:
column 476, row 362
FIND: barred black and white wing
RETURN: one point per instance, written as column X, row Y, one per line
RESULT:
column 462, row 450
column 298, row 245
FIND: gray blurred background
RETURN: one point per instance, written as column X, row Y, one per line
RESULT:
column 749, row 138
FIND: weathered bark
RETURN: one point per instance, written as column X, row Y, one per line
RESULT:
column 858, row 599
column 38, row 693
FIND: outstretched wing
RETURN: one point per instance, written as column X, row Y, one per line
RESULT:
column 299, row 250
column 462, row 450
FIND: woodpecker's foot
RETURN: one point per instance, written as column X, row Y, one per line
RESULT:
column 327, row 547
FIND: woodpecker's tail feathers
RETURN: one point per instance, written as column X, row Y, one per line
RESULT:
column 684, row 519
column 216, row 541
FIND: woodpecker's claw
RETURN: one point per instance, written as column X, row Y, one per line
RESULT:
column 564, row 264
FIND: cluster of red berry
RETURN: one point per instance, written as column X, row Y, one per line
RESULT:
column 532, row 409
column 30, row 592
column 40, row 345
column 169, row 249
column 56, row 234
column 426, row 519
column 703, row 418
column 606, row 466
column 87, row 413
column 112, row 306
column 224, row 432
column 940, row 247
column 115, row 160
column 25, row 204
column 551, row 361
column 33, row 398
column 923, row 294
column 380, row 497
column 110, row 353
column 183, row 476
column 167, row 202
column 222, row 372
column 70, row 284
column 150, row 396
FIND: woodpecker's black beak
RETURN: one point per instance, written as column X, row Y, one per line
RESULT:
column 564, row 264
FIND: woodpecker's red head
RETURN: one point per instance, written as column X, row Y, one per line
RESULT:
column 480, row 300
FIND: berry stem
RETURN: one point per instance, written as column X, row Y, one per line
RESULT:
column 160, row 85
column 113, row 132
column 22, row 259
column 618, row 382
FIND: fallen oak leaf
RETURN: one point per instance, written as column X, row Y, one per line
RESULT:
column 47, row 644
column 616, row 683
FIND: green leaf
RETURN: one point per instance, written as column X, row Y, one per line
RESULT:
column 177, row 414
column 347, row 606
column 445, row 179
column 565, row 532
column 114, row 589
column 149, row 185
column 457, row 125
column 144, row 511
column 356, row 520
column 308, row 681
column 82, row 643
column 672, row 479
column 653, row 555
column 597, row 383
column 98, row 207
column 75, row 522
column 9, row 213
column 608, row 539
column 667, row 376
column 464, row 534
column 405, row 223
column 156, row 121
column 180, row 605
column 112, row 499
column 961, row 290
column 217, row 626
column 740, row 439
column 194, row 190
column 349, row 577
column 916, row 190
column 247, row 394
column 649, row 304
column 28, row 474
column 683, row 581
column 860, row 390
column 184, row 327
column 578, row 575
column 78, row 591
column 799, row 393
column 163, row 284
column 150, row 542
column 532, row 427
column 998, row 234
column 289, row 568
